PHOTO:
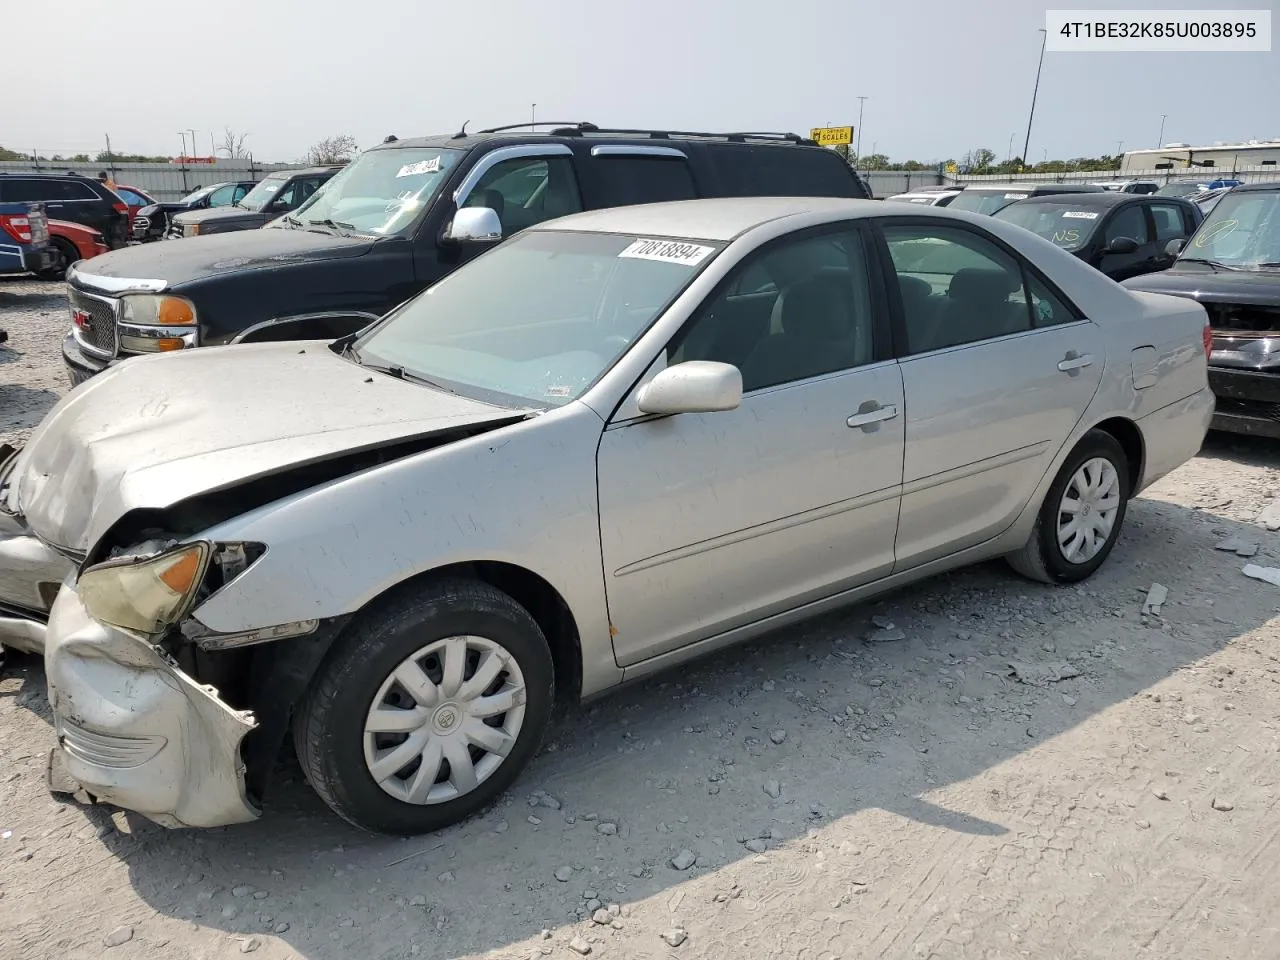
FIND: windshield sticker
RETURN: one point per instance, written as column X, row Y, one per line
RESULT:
column 1066, row 236
column 559, row 391
column 667, row 251
column 1015, row 196
column 1080, row 215
column 421, row 167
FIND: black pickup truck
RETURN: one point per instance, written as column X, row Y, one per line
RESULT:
column 151, row 223
column 1231, row 265
column 402, row 216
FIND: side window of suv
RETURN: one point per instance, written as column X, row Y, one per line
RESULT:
column 527, row 190
column 1169, row 224
column 626, row 180
column 224, row 196
column 957, row 287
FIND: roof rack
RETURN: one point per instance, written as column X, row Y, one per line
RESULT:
column 521, row 126
column 583, row 128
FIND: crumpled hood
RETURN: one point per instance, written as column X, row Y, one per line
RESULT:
column 154, row 431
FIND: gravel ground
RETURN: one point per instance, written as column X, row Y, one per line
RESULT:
column 846, row 789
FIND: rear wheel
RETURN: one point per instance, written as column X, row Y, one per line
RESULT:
column 427, row 709
column 1082, row 513
column 64, row 255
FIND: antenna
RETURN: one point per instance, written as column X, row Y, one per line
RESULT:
column 463, row 132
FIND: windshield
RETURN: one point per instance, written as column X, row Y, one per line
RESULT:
column 539, row 318
column 1177, row 189
column 1059, row 223
column 986, row 201
column 1242, row 231
column 263, row 193
column 382, row 191
column 195, row 195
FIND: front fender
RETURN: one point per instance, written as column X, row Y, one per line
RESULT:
column 524, row 495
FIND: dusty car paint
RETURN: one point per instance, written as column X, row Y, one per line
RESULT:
column 505, row 487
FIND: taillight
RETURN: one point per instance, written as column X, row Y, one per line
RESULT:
column 120, row 207
column 18, row 227
column 1208, row 341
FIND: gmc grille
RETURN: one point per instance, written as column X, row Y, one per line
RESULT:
column 97, row 325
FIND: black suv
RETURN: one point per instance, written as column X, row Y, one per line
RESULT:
column 275, row 194
column 152, row 221
column 74, row 198
column 402, row 216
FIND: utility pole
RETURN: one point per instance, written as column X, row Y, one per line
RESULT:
column 111, row 157
column 1160, row 139
column 862, row 102
column 1035, row 91
column 182, row 160
column 533, row 115
column 193, row 141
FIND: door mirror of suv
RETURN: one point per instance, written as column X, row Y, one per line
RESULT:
column 695, row 386
column 1122, row 245
column 474, row 224
column 1174, row 247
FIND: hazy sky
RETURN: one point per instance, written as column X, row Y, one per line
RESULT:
column 941, row 77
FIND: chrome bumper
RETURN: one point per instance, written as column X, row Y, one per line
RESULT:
column 136, row 732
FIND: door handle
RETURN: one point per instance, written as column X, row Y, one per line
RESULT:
column 1074, row 361
column 868, row 415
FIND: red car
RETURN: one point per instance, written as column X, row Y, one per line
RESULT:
column 70, row 242
column 134, row 199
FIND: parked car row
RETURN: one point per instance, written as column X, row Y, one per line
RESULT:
column 625, row 365
column 152, row 221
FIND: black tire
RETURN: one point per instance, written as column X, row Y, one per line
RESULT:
column 67, row 254
column 1042, row 558
column 328, row 725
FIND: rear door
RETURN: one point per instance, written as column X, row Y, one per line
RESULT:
column 997, row 369
column 1171, row 221
column 620, row 175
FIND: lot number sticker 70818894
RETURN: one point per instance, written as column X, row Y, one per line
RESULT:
column 667, row 251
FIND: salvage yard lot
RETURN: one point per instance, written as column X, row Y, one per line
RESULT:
column 877, row 783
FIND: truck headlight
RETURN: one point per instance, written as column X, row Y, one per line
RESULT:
column 145, row 594
column 191, row 229
column 146, row 309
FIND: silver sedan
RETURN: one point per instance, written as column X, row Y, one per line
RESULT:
column 612, row 443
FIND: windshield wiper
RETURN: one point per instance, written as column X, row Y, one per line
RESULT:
column 291, row 219
column 1215, row 264
column 394, row 370
column 337, row 225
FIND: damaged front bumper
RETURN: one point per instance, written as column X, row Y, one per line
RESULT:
column 135, row 731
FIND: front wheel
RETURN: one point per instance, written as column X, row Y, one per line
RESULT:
column 64, row 255
column 427, row 709
column 1082, row 513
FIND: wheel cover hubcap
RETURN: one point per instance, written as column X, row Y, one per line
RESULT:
column 444, row 720
column 1088, row 509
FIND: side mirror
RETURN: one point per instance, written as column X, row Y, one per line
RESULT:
column 695, row 386
column 474, row 224
column 1174, row 247
column 1122, row 245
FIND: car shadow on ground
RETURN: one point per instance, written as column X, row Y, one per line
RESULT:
column 20, row 403
column 761, row 743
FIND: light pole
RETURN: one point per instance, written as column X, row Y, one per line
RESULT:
column 857, row 150
column 182, row 159
column 533, row 115
column 193, row 141
column 1119, row 148
column 1160, row 139
column 1036, row 90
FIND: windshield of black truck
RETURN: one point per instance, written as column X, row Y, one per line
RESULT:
column 381, row 192
column 1057, row 222
column 1242, row 231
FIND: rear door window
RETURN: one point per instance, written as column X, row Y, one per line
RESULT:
column 760, row 170
column 626, row 180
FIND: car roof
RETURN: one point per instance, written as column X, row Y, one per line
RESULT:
column 726, row 219
column 1260, row 186
column 570, row 133
column 1030, row 187
column 1111, row 198
column 302, row 171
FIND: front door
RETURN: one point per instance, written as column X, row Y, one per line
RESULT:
column 711, row 521
column 997, row 369
column 1129, row 221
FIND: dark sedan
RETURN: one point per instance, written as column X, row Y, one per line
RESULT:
column 1121, row 234
column 1232, row 267
column 271, row 197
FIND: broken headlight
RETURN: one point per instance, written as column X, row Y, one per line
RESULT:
column 145, row 594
